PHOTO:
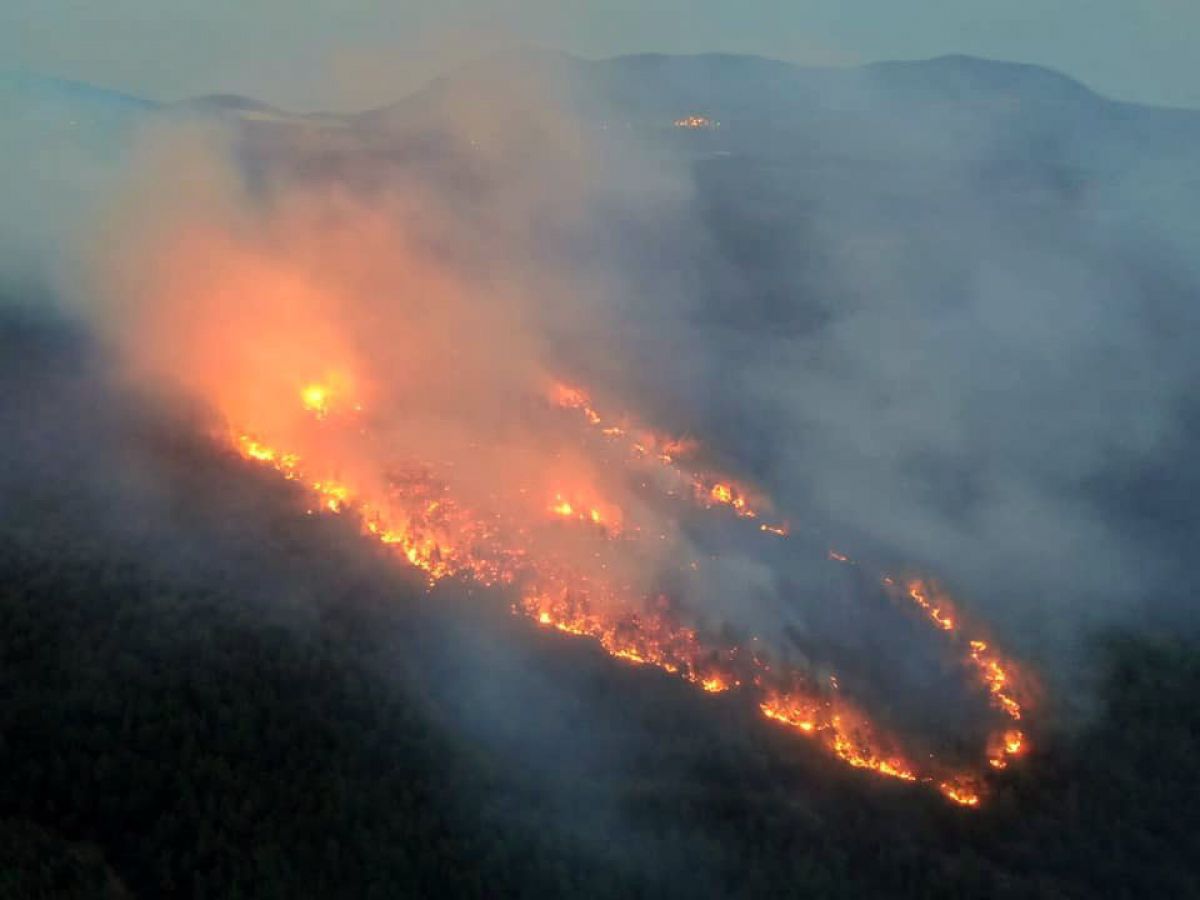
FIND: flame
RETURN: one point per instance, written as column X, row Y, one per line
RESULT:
column 315, row 398
column 415, row 514
column 1002, row 746
column 844, row 733
column 275, row 321
column 706, row 488
column 996, row 676
column 962, row 792
column 693, row 122
column 721, row 493
column 594, row 511
column 995, row 671
column 1014, row 742
column 919, row 594
column 334, row 496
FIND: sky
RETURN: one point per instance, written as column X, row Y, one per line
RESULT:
column 346, row 54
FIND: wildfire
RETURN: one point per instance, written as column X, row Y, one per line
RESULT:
column 706, row 488
column 919, row 594
column 603, row 515
column 644, row 639
column 995, row 673
column 963, row 792
column 334, row 496
column 721, row 493
column 417, row 517
column 992, row 669
column 847, row 736
column 1001, row 747
column 568, row 397
column 315, row 398
column 694, row 122
column 285, row 463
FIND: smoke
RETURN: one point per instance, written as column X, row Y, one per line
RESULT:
column 926, row 353
column 424, row 301
column 980, row 364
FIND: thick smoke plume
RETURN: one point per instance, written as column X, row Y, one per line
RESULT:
column 930, row 356
column 425, row 308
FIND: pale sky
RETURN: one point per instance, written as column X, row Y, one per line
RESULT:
column 346, row 54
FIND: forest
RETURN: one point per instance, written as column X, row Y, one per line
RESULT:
column 210, row 694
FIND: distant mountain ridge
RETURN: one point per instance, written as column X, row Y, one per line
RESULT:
column 941, row 109
column 952, row 75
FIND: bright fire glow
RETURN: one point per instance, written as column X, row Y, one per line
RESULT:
column 342, row 343
column 694, row 122
column 316, row 398
column 415, row 514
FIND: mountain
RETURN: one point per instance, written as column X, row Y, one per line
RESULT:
column 231, row 103
column 938, row 292
column 948, row 106
column 211, row 695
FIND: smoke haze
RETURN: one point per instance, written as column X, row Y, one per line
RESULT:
column 929, row 351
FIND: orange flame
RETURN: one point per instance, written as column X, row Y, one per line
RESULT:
column 315, row 398
column 694, row 122
column 919, row 594
column 417, row 517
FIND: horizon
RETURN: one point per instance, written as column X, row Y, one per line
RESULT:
column 355, row 56
column 481, row 59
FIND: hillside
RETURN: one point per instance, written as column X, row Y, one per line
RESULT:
column 937, row 314
column 262, row 706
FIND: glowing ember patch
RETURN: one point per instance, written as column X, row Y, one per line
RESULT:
column 777, row 530
column 838, row 557
column 695, row 122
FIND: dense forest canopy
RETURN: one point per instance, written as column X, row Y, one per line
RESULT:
column 208, row 694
